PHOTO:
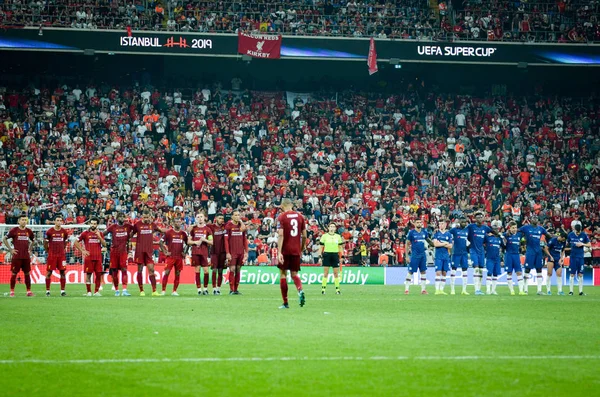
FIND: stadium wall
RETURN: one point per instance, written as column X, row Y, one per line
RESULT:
column 296, row 47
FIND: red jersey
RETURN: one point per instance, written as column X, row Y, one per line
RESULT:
column 218, row 239
column 175, row 242
column 236, row 242
column 119, row 237
column 93, row 244
column 57, row 239
column 293, row 226
column 20, row 240
column 197, row 233
column 144, row 236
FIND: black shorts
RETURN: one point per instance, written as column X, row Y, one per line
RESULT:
column 331, row 259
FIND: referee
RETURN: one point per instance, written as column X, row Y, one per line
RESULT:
column 332, row 248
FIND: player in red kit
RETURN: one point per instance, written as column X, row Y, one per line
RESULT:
column 55, row 242
column 91, row 251
column 291, row 242
column 218, row 258
column 236, row 247
column 20, row 252
column 119, row 247
column 144, row 232
column 172, row 246
column 200, row 237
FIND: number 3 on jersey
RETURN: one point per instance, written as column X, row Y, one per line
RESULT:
column 294, row 224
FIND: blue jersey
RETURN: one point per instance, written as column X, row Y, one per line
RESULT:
column 460, row 236
column 572, row 239
column 533, row 236
column 492, row 247
column 442, row 252
column 417, row 242
column 513, row 242
column 477, row 237
column 555, row 247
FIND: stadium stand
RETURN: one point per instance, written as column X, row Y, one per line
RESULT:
column 543, row 21
column 369, row 162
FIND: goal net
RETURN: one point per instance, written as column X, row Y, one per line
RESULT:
column 38, row 260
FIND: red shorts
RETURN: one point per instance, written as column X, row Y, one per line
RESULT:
column 92, row 266
column 199, row 260
column 118, row 260
column 56, row 263
column 291, row 263
column 237, row 260
column 218, row 261
column 176, row 263
column 18, row 264
column 143, row 258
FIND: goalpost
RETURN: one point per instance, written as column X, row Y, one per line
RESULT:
column 38, row 259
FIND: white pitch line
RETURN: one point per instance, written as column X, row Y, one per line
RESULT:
column 260, row 359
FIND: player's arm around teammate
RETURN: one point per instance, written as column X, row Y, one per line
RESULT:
column 332, row 248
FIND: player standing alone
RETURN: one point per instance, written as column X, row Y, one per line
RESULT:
column 91, row 251
column 119, row 248
column 55, row 242
column 200, row 237
column 576, row 240
column 534, row 255
column 512, row 257
column 291, row 242
column 415, row 249
column 175, row 240
column 20, row 252
column 442, row 241
column 556, row 253
column 460, row 256
column 218, row 256
column 477, row 233
column 144, row 232
column 236, row 246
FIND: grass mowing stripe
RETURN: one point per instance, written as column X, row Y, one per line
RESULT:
column 255, row 359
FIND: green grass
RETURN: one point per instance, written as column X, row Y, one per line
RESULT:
column 425, row 340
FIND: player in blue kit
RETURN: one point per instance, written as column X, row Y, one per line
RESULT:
column 442, row 241
column 512, row 257
column 555, row 251
column 477, row 233
column 460, row 256
column 415, row 250
column 577, row 240
column 493, row 246
column 534, row 255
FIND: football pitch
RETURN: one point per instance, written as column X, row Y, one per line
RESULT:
column 370, row 341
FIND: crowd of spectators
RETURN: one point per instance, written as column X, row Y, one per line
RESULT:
column 560, row 21
column 534, row 20
column 370, row 162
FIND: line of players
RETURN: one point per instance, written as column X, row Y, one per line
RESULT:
column 486, row 245
column 230, row 248
column 228, row 241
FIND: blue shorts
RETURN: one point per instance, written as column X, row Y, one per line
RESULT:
column 493, row 267
column 533, row 260
column 461, row 261
column 512, row 263
column 576, row 266
column 442, row 265
column 478, row 259
column 418, row 264
column 555, row 262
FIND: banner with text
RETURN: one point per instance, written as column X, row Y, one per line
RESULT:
column 260, row 45
column 250, row 275
column 270, row 46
